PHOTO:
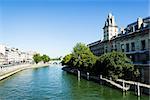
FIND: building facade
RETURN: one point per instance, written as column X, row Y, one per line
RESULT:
column 133, row 40
column 2, row 54
column 14, row 55
column 95, row 48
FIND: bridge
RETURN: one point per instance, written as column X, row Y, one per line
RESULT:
column 55, row 62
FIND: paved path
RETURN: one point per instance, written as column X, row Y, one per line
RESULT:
column 8, row 71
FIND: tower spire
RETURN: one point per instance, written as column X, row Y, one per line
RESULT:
column 110, row 27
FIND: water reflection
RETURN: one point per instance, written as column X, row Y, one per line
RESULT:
column 138, row 98
column 79, row 82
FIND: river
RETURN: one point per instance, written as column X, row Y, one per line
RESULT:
column 51, row 83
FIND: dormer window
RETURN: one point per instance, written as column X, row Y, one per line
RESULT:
column 131, row 29
column 136, row 27
column 144, row 25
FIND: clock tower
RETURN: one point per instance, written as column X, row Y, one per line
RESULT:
column 110, row 28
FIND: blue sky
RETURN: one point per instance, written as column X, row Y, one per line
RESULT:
column 53, row 27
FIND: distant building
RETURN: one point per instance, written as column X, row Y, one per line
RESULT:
column 30, row 55
column 14, row 55
column 2, row 54
column 2, row 59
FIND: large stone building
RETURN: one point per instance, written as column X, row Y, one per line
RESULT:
column 134, row 41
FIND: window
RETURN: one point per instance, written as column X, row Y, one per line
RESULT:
column 145, row 25
column 111, row 21
column 127, row 47
column 122, row 47
column 136, row 27
column 131, row 29
column 106, row 50
column 133, row 46
column 143, row 45
column 115, row 47
column 112, row 47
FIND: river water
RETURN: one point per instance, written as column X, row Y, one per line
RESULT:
column 51, row 83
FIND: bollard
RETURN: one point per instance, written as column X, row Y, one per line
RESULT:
column 88, row 76
column 78, row 75
column 100, row 77
column 124, row 95
column 123, row 85
column 110, row 78
column 138, row 98
column 138, row 89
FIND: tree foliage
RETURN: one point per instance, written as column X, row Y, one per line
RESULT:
column 115, row 65
column 67, row 60
column 45, row 58
column 82, row 57
column 37, row 58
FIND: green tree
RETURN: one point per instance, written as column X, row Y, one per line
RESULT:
column 45, row 58
column 67, row 60
column 37, row 58
column 82, row 57
column 115, row 65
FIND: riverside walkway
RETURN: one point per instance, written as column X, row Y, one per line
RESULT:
column 8, row 71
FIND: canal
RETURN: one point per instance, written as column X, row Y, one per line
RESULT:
column 51, row 83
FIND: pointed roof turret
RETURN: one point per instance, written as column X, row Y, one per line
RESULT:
column 109, row 15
